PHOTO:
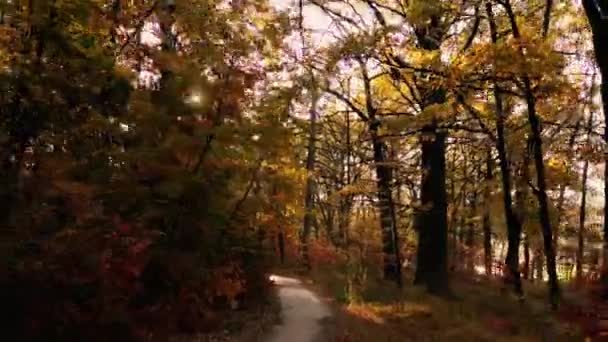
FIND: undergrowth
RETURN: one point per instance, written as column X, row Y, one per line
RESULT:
column 479, row 310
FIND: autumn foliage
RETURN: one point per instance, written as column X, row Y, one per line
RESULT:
column 130, row 202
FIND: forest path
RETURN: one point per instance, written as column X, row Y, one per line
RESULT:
column 303, row 314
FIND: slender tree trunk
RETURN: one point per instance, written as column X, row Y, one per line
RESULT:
column 523, row 203
column 541, row 191
column 526, row 268
column 596, row 14
column 513, row 224
column 281, row 242
column 580, row 252
column 384, row 180
column 487, row 227
column 539, row 265
column 562, row 189
column 541, row 194
column 310, row 182
column 470, row 235
column 346, row 201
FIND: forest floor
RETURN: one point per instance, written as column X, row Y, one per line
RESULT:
column 480, row 310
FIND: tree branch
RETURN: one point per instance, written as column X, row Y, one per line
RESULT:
column 348, row 102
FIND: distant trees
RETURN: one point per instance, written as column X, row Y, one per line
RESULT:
column 498, row 82
column 597, row 15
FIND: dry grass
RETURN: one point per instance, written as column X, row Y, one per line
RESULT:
column 479, row 311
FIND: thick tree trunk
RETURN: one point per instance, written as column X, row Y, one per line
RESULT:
column 432, row 223
column 513, row 225
column 310, row 183
column 487, row 228
column 384, row 176
column 431, row 267
column 596, row 13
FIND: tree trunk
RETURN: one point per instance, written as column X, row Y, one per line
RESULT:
column 346, row 202
column 460, row 218
column 539, row 265
column 513, row 225
column 562, row 189
column 310, row 182
column 487, row 228
column 470, row 234
column 580, row 252
column 596, row 14
column 452, row 226
column 541, row 190
column 431, row 261
column 526, row 268
column 384, row 176
column 384, row 180
column 523, row 203
column 432, row 223
column 541, row 194
column 281, row 246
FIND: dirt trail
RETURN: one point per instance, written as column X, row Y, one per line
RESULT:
column 302, row 313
